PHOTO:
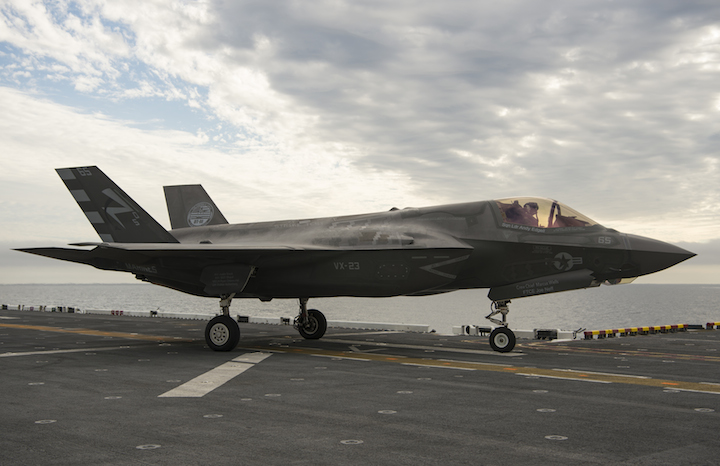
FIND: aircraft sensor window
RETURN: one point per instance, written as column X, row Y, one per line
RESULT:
column 541, row 213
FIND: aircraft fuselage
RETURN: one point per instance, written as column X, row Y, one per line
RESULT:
column 415, row 251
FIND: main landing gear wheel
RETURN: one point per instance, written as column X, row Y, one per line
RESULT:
column 222, row 333
column 502, row 339
column 314, row 325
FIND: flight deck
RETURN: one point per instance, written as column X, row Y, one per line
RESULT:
column 108, row 389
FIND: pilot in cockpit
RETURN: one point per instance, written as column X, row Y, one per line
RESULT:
column 530, row 213
column 525, row 215
column 533, row 212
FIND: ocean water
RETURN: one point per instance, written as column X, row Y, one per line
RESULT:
column 596, row 308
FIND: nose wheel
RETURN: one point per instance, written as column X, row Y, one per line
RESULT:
column 502, row 339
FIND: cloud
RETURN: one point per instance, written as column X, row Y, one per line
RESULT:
column 612, row 106
column 86, row 48
column 344, row 106
column 253, row 186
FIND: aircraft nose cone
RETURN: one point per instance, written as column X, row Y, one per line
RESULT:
column 651, row 255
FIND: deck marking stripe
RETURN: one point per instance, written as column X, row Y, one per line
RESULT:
column 526, row 371
column 562, row 378
column 693, row 391
column 603, row 373
column 436, row 366
column 339, row 357
column 209, row 381
column 97, row 333
column 252, row 358
column 76, row 350
column 436, row 348
column 623, row 352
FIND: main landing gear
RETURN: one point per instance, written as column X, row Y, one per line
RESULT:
column 223, row 334
column 310, row 323
column 502, row 339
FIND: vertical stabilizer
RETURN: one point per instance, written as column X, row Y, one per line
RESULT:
column 190, row 206
column 113, row 214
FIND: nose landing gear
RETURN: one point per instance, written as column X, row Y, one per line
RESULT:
column 502, row 339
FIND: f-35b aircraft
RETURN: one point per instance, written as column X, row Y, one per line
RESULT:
column 516, row 247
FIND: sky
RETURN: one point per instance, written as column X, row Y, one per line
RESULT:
column 302, row 109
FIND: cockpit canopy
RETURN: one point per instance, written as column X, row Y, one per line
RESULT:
column 541, row 213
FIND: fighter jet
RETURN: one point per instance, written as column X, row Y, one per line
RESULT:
column 517, row 247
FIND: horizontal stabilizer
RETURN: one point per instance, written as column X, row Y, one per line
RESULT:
column 190, row 206
column 105, row 259
column 72, row 255
column 113, row 214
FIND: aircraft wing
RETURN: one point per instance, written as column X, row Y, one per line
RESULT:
column 107, row 256
column 139, row 253
column 433, row 242
column 216, row 269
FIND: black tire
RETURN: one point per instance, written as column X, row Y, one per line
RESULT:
column 315, row 327
column 502, row 340
column 222, row 333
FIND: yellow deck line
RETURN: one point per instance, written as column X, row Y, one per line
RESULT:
column 619, row 352
column 97, row 333
column 506, row 368
column 445, row 363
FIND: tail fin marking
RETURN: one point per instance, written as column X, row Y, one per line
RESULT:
column 190, row 206
column 113, row 214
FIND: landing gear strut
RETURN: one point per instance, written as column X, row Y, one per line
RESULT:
column 311, row 323
column 502, row 339
column 222, row 332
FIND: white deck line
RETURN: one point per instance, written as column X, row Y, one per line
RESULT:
column 209, row 381
column 561, row 378
column 422, row 347
column 61, row 351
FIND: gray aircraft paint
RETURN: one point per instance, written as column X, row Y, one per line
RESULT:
column 191, row 206
column 516, row 247
column 413, row 251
